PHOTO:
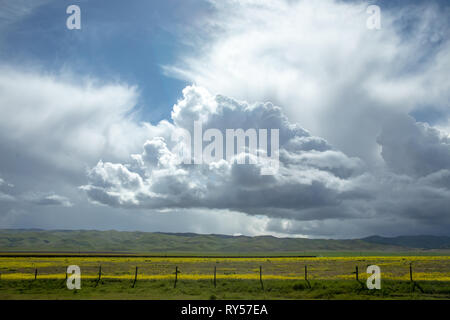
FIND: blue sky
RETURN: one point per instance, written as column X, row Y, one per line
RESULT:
column 122, row 42
column 88, row 118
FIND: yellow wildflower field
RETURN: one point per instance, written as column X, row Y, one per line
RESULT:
column 426, row 268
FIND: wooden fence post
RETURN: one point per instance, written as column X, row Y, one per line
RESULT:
column 215, row 276
column 35, row 274
column 176, row 277
column 135, row 277
column 414, row 284
column 410, row 272
column 99, row 275
column 306, row 273
column 306, row 276
column 260, row 277
column 357, row 278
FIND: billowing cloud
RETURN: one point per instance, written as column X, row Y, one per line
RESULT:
column 58, row 112
column 312, row 174
column 321, row 64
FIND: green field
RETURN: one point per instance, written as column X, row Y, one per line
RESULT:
column 236, row 278
column 230, row 289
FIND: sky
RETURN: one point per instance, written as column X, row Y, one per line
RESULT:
column 90, row 118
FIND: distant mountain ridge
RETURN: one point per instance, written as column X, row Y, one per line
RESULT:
column 33, row 240
column 422, row 242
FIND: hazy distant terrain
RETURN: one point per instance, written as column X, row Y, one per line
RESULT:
column 142, row 242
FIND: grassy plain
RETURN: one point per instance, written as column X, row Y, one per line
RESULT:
column 237, row 278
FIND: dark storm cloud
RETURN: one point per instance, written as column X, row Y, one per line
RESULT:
column 413, row 148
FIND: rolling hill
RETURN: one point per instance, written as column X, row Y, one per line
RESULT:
column 423, row 242
column 20, row 240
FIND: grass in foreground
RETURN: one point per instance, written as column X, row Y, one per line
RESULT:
column 237, row 278
column 230, row 289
